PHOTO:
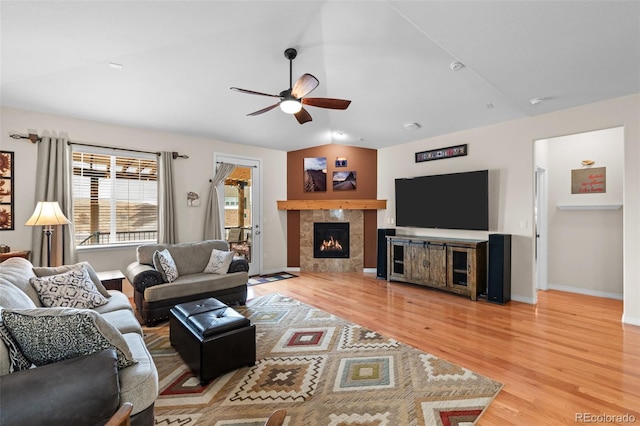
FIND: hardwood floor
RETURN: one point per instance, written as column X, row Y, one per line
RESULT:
column 568, row 354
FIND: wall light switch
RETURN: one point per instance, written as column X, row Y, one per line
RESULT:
column 524, row 224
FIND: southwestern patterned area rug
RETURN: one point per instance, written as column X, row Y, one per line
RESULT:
column 324, row 371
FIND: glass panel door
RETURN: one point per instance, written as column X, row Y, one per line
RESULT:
column 240, row 196
column 237, row 211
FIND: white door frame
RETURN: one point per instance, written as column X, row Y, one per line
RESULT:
column 541, row 235
column 255, row 266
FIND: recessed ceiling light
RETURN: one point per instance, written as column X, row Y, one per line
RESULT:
column 115, row 66
column 412, row 126
column 456, row 66
column 489, row 105
column 536, row 101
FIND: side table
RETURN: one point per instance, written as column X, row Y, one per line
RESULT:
column 23, row 253
column 111, row 280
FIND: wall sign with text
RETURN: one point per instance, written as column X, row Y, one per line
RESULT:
column 439, row 154
column 589, row 181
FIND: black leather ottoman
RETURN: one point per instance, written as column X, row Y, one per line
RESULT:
column 212, row 338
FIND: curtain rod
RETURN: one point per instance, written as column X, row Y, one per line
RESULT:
column 34, row 138
column 222, row 162
column 111, row 147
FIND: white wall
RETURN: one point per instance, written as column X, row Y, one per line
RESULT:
column 506, row 149
column 191, row 174
column 585, row 246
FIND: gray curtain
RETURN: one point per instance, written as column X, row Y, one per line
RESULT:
column 166, row 200
column 53, row 183
column 212, row 223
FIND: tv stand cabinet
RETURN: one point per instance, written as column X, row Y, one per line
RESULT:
column 454, row 265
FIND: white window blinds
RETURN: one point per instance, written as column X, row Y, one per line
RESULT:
column 115, row 198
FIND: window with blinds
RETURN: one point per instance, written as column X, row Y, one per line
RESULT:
column 115, row 198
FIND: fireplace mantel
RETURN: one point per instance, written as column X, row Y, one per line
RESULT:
column 332, row 204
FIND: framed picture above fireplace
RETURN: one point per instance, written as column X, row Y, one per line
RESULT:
column 344, row 181
column 315, row 174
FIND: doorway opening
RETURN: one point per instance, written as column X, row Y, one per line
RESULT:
column 579, row 234
column 240, row 197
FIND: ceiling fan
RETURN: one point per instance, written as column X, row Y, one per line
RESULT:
column 292, row 99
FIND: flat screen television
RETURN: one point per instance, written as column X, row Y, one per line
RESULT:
column 448, row 201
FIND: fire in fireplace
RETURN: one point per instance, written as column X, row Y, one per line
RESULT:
column 331, row 240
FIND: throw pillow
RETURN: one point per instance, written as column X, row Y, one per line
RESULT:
column 55, row 270
column 163, row 262
column 219, row 262
column 17, row 360
column 48, row 335
column 73, row 289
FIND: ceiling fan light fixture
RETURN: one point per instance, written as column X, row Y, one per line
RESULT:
column 290, row 106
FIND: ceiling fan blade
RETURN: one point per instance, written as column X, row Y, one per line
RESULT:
column 303, row 116
column 326, row 103
column 251, row 92
column 304, row 86
column 263, row 110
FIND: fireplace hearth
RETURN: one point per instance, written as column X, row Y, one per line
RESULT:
column 331, row 240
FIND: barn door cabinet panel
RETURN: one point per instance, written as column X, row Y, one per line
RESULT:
column 454, row 265
column 397, row 266
column 428, row 264
column 468, row 270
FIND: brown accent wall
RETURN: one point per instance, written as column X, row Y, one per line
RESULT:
column 370, row 238
column 293, row 234
column 362, row 161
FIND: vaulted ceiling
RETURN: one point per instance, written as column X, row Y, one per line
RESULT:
column 392, row 59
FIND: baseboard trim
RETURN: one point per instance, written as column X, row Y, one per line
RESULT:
column 586, row 291
column 628, row 319
column 528, row 300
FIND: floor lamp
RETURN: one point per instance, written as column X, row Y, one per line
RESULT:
column 47, row 214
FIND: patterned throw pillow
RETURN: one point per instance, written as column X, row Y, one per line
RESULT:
column 163, row 262
column 219, row 262
column 73, row 289
column 43, row 271
column 48, row 335
column 17, row 360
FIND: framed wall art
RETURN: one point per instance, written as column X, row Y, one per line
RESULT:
column 441, row 153
column 193, row 199
column 344, row 181
column 315, row 174
column 6, row 191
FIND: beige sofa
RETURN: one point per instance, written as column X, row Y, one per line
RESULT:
column 154, row 297
column 138, row 383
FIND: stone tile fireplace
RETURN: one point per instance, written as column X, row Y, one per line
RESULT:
column 329, row 222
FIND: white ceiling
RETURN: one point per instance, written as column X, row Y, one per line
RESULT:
column 391, row 58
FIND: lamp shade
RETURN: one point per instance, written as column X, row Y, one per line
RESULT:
column 47, row 213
